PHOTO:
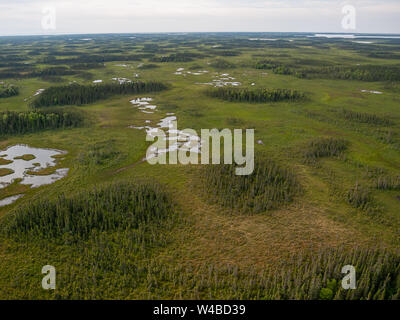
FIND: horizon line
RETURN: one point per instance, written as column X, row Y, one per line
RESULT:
column 193, row 32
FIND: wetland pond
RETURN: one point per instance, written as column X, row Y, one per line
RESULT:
column 26, row 165
column 178, row 139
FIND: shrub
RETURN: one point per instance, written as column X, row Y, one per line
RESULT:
column 368, row 118
column 7, row 91
column 325, row 147
column 326, row 294
column 268, row 187
column 360, row 197
column 388, row 183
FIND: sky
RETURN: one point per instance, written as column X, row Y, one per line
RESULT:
column 24, row 17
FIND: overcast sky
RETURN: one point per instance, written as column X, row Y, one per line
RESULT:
column 135, row 16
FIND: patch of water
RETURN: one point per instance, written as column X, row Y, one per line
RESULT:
column 372, row 91
column 177, row 139
column 43, row 158
column 144, row 105
column 122, row 80
column 9, row 200
column 40, row 159
column 38, row 181
column 97, row 81
column 38, row 92
column 363, row 42
column 222, row 80
column 352, row 36
column 262, row 39
column 180, row 71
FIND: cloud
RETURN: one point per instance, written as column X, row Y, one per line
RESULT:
column 99, row 16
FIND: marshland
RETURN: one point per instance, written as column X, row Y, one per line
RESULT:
column 325, row 191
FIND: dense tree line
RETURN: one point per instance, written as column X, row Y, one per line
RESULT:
column 266, row 64
column 14, row 122
column 178, row 57
column 384, row 55
column 8, row 74
column 223, row 53
column 362, row 73
column 13, row 65
column 278, row 68
column 260, row 95
column 87, row 66
column 76, row 94
column 109, row 232
column 8, row 91
column 11, row 57
column 222, row 64
column 52, row 71
column 114, row 266
column 147, row 66
column 95, row 58
column 116, row 207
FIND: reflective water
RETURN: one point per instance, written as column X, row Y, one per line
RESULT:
column 222, row 80
column 372, row 91
column 144, row 105
column 42, row 159
column 10, row 200
column 177, row 139
column 122, row 80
